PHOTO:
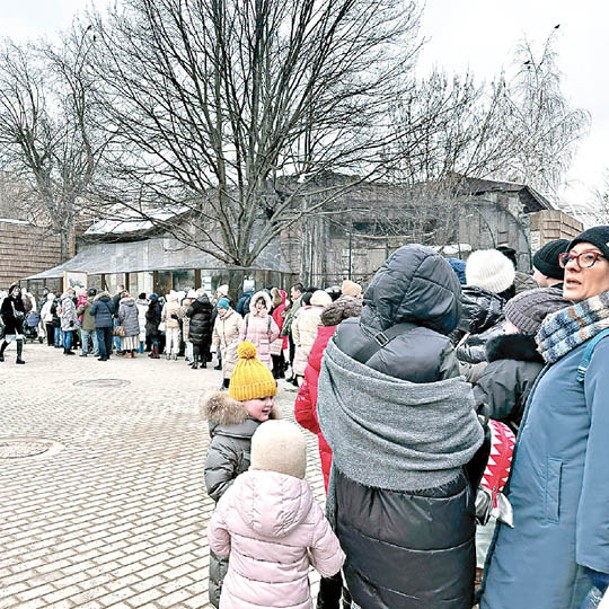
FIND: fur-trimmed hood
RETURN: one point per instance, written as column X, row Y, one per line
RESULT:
column 265, row 296
column 102, row 294
column 520, row 347
column 220, row 409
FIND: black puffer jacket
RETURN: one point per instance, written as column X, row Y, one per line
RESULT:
column 481, row 320
column 408, row 549
column 200, row 314
column 503, row 389
column 153, row 319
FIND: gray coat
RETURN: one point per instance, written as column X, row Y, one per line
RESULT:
column 69, row 319
column 128, row 316
column 559, row 490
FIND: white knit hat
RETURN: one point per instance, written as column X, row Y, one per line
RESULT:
column 491, row 270
column 279, row 446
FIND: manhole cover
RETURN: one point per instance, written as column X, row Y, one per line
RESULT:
column 102, row 383
column 20, row 448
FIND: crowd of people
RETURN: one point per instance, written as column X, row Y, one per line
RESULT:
column 461, row 414
column 454, row 403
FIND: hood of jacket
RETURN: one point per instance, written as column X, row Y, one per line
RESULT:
column 481, row 309
column 520, row 347
column 273, row 504
column 128, row 302
column 225, row 414
column 103, row 296
column 414, row 285
column 267, row 299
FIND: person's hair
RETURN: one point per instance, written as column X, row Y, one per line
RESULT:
column 263, row 299
column 298, row 286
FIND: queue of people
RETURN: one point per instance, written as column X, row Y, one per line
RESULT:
column 411, row 388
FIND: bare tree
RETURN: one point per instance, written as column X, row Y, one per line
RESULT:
column 236, row 111
column 46, row 135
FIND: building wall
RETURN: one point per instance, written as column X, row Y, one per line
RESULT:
column 25, row 250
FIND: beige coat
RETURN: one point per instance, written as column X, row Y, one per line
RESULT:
column 304, row 333
column 226, row 336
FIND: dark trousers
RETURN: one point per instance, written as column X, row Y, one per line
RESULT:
column 104, row 340
column 50, row 333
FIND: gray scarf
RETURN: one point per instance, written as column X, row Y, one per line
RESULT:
column 393, row 434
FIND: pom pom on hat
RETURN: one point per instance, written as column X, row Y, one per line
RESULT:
column 250, row 379
column 279, row 446
column 490, row 270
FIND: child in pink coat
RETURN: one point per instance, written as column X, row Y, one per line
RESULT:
column 272, row 528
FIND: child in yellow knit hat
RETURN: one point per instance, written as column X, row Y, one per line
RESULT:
column 232, row 420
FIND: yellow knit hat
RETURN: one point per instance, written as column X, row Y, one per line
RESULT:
column 250, row 379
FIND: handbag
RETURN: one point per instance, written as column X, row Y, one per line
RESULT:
column 162, row 327
column 119, row 331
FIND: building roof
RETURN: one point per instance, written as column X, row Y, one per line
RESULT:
column 531, row 200
column 153, row 254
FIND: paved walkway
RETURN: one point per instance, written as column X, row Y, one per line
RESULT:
column 102, row 503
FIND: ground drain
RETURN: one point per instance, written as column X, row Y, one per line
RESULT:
column 21, row 448
column 102, row 383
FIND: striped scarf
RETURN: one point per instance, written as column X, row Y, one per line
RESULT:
column 573, row 326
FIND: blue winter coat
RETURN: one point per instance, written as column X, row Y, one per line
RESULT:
column 559, row 491
column 102, row 310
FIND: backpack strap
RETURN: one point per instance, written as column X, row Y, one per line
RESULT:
column 381, row 339
column 587, row 357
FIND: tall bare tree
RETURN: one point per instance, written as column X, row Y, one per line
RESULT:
column 236, row 111
column 48, row 143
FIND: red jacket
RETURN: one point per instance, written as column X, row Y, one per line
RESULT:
column 277, row 315
column 305, row 408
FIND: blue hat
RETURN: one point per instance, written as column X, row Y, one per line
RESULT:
column 223, row 303
column 154, row 297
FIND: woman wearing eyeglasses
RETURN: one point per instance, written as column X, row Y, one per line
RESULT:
column 557, row 553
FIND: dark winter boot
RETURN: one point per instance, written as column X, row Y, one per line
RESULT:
column 2, row 348
column 154, row 354
column 225, row 383
column 20, row 352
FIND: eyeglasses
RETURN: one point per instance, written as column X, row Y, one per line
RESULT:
column 585, row 260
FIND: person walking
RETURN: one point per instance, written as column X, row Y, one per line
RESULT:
column 402, row 428
column 259, row 327
column 170, row 315
column 557, row 552
column 46, row 316
column 225, row 336
column 12, row 312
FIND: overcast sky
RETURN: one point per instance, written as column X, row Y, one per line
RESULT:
column 479, row 35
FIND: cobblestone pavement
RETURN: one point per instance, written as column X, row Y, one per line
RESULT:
column 102, row 502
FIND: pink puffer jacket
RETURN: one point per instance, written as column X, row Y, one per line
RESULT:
column 273, row 529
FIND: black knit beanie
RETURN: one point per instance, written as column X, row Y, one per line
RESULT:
column 597, row 235
column 545, row 259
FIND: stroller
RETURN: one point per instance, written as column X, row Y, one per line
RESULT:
column 30, row 325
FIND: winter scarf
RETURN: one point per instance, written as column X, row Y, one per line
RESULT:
column 573, row 326
column 394, row 434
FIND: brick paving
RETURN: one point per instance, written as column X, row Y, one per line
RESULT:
column 114, row 515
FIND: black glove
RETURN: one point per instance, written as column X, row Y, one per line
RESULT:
column 71, row 323
column 174, row 316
